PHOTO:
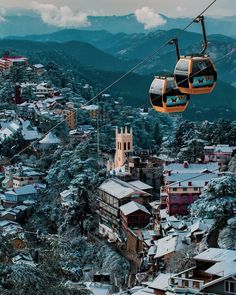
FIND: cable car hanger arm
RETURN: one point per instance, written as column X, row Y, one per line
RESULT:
column 176, row 43
column 198, row 19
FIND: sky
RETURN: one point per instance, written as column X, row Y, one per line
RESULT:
column 108, row 7
column 74, row 13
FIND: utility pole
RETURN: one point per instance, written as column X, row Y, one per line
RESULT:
column 98, row 134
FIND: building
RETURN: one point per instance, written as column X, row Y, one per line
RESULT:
column 43, row 90
column 160, row 284
column 214, row 273
column 221, row 153
column 69, row 113
column 183, row 184
column 19, row 195
column 49, row 141
column 92, row 109
column 183, row 190
column 133, row 215
column 7, row 62
column 39, row 69
column 113, row 193
column 124, row 145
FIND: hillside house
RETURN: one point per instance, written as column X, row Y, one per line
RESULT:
column 6, row 62
column 183, row 183
column 19, row 195
column 113, row 193
column 214, row 273
column 221, row 153
column 133, row 214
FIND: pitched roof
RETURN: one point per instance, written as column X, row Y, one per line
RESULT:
column 217, row 255
column 191, row 168
column 161, row 282
column 27, row 189
column 140, row 185
column 50, row 138
column 167, row 245
column 223, row 268
column 119, row 189
column 132, row 207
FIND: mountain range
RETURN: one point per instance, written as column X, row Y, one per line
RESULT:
column 31, row 23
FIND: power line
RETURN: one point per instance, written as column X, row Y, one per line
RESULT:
column 148, row 57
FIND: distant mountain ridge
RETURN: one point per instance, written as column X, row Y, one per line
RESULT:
column 99, row 68
column 124, row 50
column 31, row 23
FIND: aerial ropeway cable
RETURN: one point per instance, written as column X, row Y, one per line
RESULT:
column 126, row 74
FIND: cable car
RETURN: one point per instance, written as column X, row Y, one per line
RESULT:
column 165, row 96
column 196, row 74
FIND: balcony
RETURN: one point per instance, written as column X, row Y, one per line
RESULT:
column 187, row 280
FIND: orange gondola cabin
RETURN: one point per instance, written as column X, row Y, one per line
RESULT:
column 165, row 96
column 195, row 74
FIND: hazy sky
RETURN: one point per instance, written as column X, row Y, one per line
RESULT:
column 107, row 7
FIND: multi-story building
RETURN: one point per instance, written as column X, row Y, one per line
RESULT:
column 7, row 62
column 133, row 215
column 184, row 183
column 113, row 193
column 69, row 113
column 44, row 90
column 16, row 177
column 214, row 273
column 221, row 153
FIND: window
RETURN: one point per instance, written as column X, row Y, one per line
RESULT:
column 230, row 287
column 174, row 189
column 182, row 66
column 156, row 100
column 195, row 189
column 125, row 146
column 128, row 145
column 156, row 92
column 185, row 189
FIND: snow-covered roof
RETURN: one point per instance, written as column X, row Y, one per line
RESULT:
column 223, row 268
column 167, row 245
column 164, row 157
column 119, row 189
column 201, row 225
column 145, row 291
column 190, row 180
column 38, row 66
column 23, row 259
column 50, row 138
column 28, row 132
column 217, row 255
column 161, row 282
column 132, row 207
column 164, row 215
column 221, row 148
column 91, row 107
column 140, row 185
column 98, row 289
column 27, row 189
column 191, row 168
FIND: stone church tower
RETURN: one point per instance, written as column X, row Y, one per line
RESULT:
column 124, row 144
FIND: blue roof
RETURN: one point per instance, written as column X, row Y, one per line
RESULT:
column 27, row 189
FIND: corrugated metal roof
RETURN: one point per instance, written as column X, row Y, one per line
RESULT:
column 119, row 189
column 217, row 255
column 192, row 168
column 223, row 268
column 140, row 185
column 132, row 207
